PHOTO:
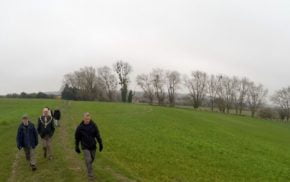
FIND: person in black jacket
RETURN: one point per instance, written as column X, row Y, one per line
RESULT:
column 57, row 117
column 87, row 133
column 28, row 140
column 46, row 130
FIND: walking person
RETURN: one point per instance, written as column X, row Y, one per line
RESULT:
column 27, row 139
column 57, row 117
column 87, row 133
column 46, row 130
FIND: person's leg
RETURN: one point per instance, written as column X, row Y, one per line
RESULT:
column 44, row 143
column 48, row 142
column 93, row 154
column 89, row 162
column 32, row 159
column 56, row 123
column 27, row 154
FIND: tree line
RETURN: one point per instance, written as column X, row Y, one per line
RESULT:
column 39, row 95
column 281, row 99
column 220, row 92
column 161, row 87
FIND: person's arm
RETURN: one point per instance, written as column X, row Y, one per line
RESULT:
column 35, row 136
column 52, row 126
column 99, row 138
column 38, row 125
column 18, row 138
column 77, row 140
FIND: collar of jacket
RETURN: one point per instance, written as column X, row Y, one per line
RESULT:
column 91, row 123
column 45, row 123
column 29, row 124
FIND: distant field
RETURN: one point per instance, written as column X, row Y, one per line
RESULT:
column 150, row 143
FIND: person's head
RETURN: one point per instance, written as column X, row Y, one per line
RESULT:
column 87, row 118
column 25, row 119
column 45, row 112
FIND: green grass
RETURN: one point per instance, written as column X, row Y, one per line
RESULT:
column 150, row 143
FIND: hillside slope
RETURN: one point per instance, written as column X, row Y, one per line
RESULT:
column 147, row 143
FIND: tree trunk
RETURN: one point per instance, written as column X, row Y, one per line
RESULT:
column 124, row 94
column 253, row 112
column 237, row 111
column 228, row 110
column 212, row 105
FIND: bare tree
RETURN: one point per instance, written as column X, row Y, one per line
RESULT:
column 158, row 81
column 196, row 86
column 228, row 84
column 123, row 69
column 282, row 99
column 69, row 80
column 255, row 96
column 235, row 83
column 172, row 81
column 225, row 92
column 145, row 82
column 85, row 81
column 108, row 81
column 231, row 92
column 212, row 90
column 221, row 94
column 242, row 89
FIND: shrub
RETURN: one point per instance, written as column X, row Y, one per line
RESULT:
column 267, row 113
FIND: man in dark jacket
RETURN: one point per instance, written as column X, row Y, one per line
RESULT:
column 87, row 133
column 46, row 130
column 28, row 140
column 56, row 117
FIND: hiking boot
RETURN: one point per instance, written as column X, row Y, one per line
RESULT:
column 33, row 167
column 45, row 153
column 91, row 178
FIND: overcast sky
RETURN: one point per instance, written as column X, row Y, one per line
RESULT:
column 40, row 41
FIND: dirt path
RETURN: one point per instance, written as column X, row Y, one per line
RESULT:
column 13, row 176
column 75, row 164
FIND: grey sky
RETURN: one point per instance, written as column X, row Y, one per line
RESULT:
column 40, row 41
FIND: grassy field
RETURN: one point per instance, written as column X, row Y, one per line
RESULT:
column 150, row 143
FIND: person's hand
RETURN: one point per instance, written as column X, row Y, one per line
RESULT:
column 77, row 149
column 19, row 148
column 101, row 147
